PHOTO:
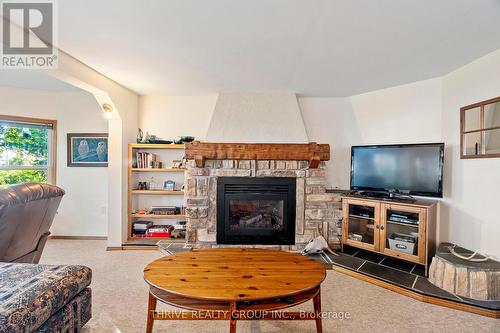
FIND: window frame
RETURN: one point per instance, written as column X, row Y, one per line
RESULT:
column 482, row 130
column 52, row 147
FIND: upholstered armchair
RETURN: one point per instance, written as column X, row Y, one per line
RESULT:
column 26, row 214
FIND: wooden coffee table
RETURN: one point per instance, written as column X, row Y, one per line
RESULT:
column 234, row 284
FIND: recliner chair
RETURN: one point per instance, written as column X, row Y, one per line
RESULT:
column 26, row 214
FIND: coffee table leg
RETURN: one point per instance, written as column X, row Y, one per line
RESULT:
column 151, row 310
column 317, row 311
column 232, row 320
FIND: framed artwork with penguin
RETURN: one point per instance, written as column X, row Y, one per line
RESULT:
column 87, row 149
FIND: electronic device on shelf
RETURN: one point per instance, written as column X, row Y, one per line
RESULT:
column 384, row 195
column 398, row 171
column 165, row 210
column 160, row 231
column 401, row 218
column 362, row 211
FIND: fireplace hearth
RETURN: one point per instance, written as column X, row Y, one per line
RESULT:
column 256, row 210
column 259, row 195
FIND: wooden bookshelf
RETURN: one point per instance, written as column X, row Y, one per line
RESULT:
column 158, row 192
column 134, row 194
column 173, row 240
column 159, row 216
column 159, row 169
column 155, row 146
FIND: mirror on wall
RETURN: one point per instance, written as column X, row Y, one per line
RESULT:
column 480, row 129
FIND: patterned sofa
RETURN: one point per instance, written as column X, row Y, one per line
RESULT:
column 44, row 298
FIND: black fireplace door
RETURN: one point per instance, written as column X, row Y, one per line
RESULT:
column 256, row 211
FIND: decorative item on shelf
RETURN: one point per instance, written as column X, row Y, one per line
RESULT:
column 153, row 185
column 150, row 138
column 87, row 149
column 183, row 139
column 177, row 164
column 169, row 185
column 160, row 141
column 156, row 165
column 140, row 136
column 143, row 186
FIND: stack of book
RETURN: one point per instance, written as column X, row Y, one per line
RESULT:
column 147, row 160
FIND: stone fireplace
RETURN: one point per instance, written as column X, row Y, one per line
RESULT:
column 255, row 209
column 258, row 211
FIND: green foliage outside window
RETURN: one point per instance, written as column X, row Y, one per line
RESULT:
column 22, row 176
column 23, row 147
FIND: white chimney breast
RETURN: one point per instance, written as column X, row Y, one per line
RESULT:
column 257, row 118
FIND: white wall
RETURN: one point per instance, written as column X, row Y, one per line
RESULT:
column 409, row 113
column 257, row 118
column 472, row 187
column 424, row 111
column 171, row 116
column 324, row 122
column 83, row 210
column 122, row 129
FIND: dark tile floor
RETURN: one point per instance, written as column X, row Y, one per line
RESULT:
column 397, row 272
column 378, row 266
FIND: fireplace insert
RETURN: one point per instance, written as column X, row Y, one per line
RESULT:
column 256, row 210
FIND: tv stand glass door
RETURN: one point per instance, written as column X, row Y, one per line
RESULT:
column 403, row 235
column 360, row 224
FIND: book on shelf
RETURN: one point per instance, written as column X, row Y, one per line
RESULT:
column 145, row 160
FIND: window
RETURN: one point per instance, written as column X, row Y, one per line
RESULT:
column 480, row 129
column 27, row 150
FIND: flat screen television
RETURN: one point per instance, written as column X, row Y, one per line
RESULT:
column 412, row 169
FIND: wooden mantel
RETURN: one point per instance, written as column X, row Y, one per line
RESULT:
column 312, row 152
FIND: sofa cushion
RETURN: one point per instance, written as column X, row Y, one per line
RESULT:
column 30, row 293
column 72, row 316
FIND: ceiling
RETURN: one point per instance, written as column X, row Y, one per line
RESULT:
column 33, row 79
column 311, row 47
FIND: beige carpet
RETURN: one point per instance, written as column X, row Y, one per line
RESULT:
column 120, row 295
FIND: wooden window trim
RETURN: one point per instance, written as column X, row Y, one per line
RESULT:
column 481, row 130
column 52, row 142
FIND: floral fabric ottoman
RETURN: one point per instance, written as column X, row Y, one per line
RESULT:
column 44, row 298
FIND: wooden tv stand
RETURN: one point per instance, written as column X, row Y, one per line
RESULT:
column 370, row 223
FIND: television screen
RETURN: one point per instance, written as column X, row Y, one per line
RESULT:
column 415, row 169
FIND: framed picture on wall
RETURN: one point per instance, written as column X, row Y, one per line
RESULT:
column 87, row 149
